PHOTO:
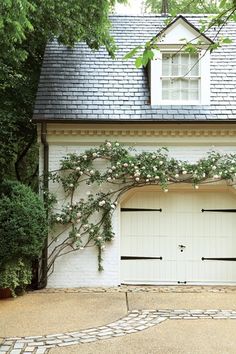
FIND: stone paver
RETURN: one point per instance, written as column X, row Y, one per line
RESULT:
column 135, row 321
column 140, row 289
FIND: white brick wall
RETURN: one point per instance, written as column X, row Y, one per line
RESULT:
column 81, row 267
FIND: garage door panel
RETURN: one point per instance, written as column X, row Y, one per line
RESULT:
column 139, row 271
column 181, row 222
column 138, row 246
column 137, row 223
column 211, row 272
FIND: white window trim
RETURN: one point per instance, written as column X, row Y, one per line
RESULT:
column 156, row 86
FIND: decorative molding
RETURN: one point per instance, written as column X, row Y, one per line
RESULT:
column 144, row 132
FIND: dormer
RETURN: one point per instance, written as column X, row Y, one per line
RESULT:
column 178, row 77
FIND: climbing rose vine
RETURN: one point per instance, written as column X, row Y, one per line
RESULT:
column 87, row 221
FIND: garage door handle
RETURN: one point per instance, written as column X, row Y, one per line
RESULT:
column 133, row 258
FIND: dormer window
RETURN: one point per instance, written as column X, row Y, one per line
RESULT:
column 180, row 79
column 176, row 76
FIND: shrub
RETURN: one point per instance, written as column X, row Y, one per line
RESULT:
column 16, row 275
column 23, row 225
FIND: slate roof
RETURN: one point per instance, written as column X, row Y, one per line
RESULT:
column 79, row 84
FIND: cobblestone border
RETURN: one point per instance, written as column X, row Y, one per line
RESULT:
column 139, row 289
column 134, row 322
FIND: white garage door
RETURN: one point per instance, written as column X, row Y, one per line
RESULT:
column 181, row 243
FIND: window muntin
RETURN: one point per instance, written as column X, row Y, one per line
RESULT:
column 180, row 77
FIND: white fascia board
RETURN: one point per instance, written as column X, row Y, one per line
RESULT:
column 205, row 77
column 155, row 79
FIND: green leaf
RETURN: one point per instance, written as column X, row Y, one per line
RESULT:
column 227, row 40
column 222, row 3
column 132, row 53
column 139, row 62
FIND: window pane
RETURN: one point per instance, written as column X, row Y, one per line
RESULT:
column 166, row 65
column 184, row 83
column 193, row 65
column 175, row 89
column 165, row 69
column 184, row 95
column 166, row 84
column 181, row 68
column 193, row 84
column 193, row 95
column 165, row 94
column 175, row 70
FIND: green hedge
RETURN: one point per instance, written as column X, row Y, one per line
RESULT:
column 23, row 223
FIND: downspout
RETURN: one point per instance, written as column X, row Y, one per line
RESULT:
column 44, row 260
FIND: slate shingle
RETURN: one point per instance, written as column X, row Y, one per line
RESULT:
column 80, row 84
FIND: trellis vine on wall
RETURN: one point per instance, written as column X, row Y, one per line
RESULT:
column 89, row 220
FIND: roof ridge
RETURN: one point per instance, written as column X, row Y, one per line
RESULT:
column 160, row 15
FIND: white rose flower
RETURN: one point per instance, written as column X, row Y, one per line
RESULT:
column 176, row 175
column 148, row 176
column 103, row 247
column 109, row 179
column 85, row 157
column 157, row 177
column 154, row 168
column 214, row 167
column 125, row 164
column 117, row 144
column 196, row 187
column 94, row 154
column 92, row 172
column 109, row 171
column 215, row 176
column 184, row 172
column 113, row 167
column 165, row 190
column 71, row 185
column 77, row 234
column 101, row 203
column 160, row 162
column 58, row 218
column 99, row 238
column 81, row 248
column 77, row 168
column 147, row 180
column 108, row 144
column 137, row 179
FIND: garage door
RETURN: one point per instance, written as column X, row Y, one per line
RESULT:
column 179, row 238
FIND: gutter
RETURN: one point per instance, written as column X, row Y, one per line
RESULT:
column 134, row 121
column 44, row 263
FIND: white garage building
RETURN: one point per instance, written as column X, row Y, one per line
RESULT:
column 185, row 102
